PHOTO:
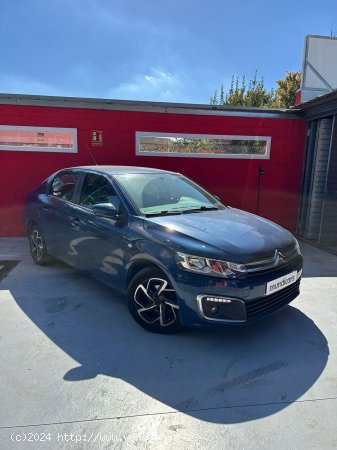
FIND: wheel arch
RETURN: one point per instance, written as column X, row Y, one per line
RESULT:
column 29, row 225
column 144, row 262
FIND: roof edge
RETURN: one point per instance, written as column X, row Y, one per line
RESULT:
column 143, row 106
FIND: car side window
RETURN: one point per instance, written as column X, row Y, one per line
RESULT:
column 97, row 189
column 63, row 186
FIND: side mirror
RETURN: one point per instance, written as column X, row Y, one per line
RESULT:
column 105, row 210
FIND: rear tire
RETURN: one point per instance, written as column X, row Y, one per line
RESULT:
column 153, row 302
column 38, row 248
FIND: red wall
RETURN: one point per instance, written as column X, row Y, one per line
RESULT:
column 234, row 180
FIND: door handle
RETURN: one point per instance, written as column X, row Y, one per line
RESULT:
column 45, row 207
column 75, row 222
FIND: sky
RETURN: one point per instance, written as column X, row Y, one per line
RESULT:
column 155, row 50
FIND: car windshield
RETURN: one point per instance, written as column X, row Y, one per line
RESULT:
column 166, row 193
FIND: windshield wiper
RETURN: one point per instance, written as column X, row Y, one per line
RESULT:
column 181, row 211
column 200, row 209
column 163, row 213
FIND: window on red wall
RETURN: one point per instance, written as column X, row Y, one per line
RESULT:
column 38, row 139
column 198, row 145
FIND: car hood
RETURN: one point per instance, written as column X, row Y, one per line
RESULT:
column 230, row 233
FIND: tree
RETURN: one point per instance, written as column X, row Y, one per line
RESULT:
column 285, row 94
column 239, row 95
column 257, row 95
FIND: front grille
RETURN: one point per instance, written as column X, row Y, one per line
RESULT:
column 265, row 305
column 293, row 263
column 280, row 257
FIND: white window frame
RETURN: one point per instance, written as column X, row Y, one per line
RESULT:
column 267, row 139
column 25, row 148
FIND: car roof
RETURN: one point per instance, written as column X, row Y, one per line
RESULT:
column 118, row 170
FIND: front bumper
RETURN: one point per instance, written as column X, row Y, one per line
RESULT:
column 216, row 302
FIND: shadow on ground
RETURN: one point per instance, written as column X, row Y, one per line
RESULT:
column 271, row 364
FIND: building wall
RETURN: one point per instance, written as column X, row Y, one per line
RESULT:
column 233, row 180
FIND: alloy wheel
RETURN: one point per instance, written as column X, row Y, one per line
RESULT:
column 37, row 246
column 156, row 302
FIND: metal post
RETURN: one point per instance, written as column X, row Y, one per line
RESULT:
column 261, row 172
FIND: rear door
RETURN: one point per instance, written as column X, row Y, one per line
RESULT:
column 55, row 212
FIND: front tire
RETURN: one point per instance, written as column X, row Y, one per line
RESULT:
column 153, row 302
column 38, row 247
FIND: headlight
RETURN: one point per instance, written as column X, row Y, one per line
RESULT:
column 209, row 266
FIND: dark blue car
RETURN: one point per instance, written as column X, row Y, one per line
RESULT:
column 180, row 255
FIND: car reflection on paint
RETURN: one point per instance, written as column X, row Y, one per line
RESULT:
column 180, row 255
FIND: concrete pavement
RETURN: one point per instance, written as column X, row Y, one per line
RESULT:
column 76, row 367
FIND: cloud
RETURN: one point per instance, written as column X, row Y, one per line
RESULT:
column 17, row 85
column 156, row 85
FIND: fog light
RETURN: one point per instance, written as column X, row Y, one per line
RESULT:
column 221, row 309
column 218, row 300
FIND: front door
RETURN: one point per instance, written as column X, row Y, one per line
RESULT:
column 98, row 243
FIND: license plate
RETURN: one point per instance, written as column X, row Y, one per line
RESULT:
column 282, row 282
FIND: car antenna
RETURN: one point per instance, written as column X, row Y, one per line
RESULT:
column 92, row 156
